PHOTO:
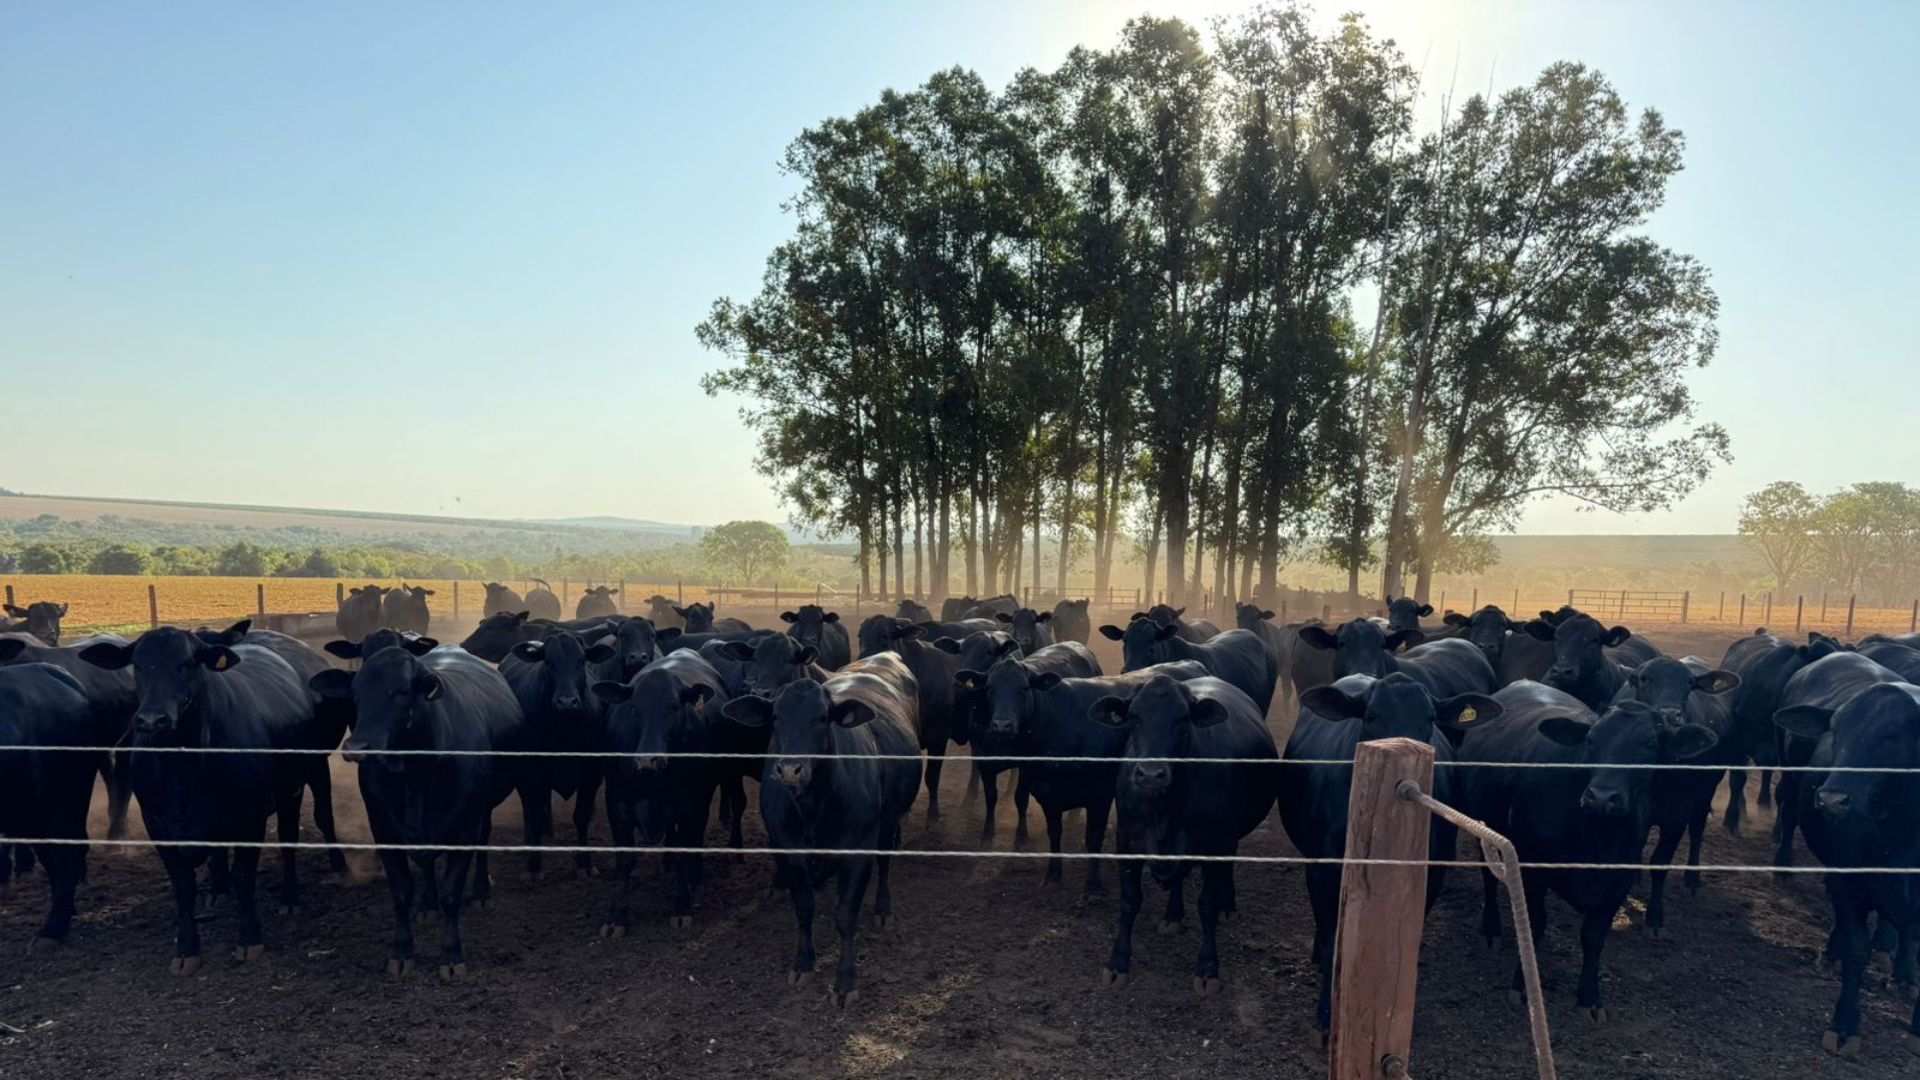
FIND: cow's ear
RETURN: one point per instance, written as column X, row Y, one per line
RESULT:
column 970, row 679
column 520, row 617
column 530, row 651
column 807, row 655
column 831, row 616
column 599, row 652
column 216, row 657
column 332, row 683
column 680, row 611
column 1616, row 636
column 1046, row 680
column 1454, row 618
column 345, row 650
column 695, row 695
column 1465, row 710
column 1265, row 614
column 1002, row 617
column 1206, row 712
column 748, row 711
column 1136, row 615
column 1167, row 631
column 1687, row 741
column 1112, row 632
column 1400, row 638
column 16, row 611
column 947, row 645
column 667, row 636
column 1539, row 629
column 1805, row 721
column 1179, row 611
column 11, row 647
column 429, row 686
column 1566, row 730
column 613, row 592
column 908, row 631
column 1331, row 701
column 737, row 651
column 615, row 692
column 1317, row 637
column 1715, row 681
column 1111, row 711
column 789, row 617
column 110, row 655
column 849, row 713
column 63, row 610
column 421, row 646
column 1425, row 610
column 1043, row 616
column 1005, row 647
column 234, row 633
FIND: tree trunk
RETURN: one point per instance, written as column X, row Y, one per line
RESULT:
column 1153, row 555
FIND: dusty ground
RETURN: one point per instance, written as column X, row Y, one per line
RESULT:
column 983, row 975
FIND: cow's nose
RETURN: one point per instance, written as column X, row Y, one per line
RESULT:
column 354, row 752
column 1152, row 775
column 793, row 775
column 651, row 762
column 1556, row 673
column 152, row 721
column 1607, row 803
column 1834, row 804
column 568, row 703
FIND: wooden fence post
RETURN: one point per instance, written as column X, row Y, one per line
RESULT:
column 1516, row 602
column 1913, row 620
column 153, row 606
column 1799, row 613
column 9, row 596
column 1516, row 599
column 456, row 599
column 680, row 592
column 1851, row 597
column 1722, row 615
column 1823, row 608
column 1442, row 605
column 1686, row 600
column 260, row 597
column 1382, row 911
column 1475, row 606
column 1623, row 605
column 776, row 596
column 1768, row 617
column 1743, row 609
column 339, row 593
column 1326, row 613
column 566, row 587
column 620, row 595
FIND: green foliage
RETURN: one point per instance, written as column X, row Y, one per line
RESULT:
column 1778, row 523
column 120, row 559
column 44, row 559
column 745, row 551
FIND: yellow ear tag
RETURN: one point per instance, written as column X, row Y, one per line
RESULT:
column 1468, row 715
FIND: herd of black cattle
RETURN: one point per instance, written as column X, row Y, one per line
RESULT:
column 1178, row 742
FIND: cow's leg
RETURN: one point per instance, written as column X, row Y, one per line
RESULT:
column 1785, row 819
column 1489, row 909
column 936, row 761
column 399, row 870
column 8, row 853
column 1176, row 913
column 482, row 873
column 800, row 887
column 1022, row 794
column 1850, row 921
column 620, row 908
column 733, row 792
column 1766, row 788
column 1736, row 801
column 1206, row 966
column 219, row 878
column 1323, row 895
column 453, row 886
column 186, row 939
column 1120, row 962
column 321, row 784
column 1593, row 938
column 584, row 797
column 883, row 891
column 990, row 785
column 689, row 833
column 536, row 815
column 1696, row 832
column 66, row 865
column 1096, row 839
column 1657, row 890
column 1056, row 826
column 246, row 872
column 854, row 875
column 287, row 827
column 1903, row 959
column 114, row 773
column 976, row 780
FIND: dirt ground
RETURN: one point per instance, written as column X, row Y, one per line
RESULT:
column 982, row 974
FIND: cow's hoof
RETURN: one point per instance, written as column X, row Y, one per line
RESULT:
column 1515, row 997
column 287, row 909
column 1227, row 916
column 933, row 817
column 1048, row 885
column 1113, row 980
column 1170, row 926
column 336, row 863
column 184, row 965
column 450, row 972
column 842, row 1000
column 681, row 922
column 882, row 921
column 44, row 945
column 482, row 903
column 610, row 930
column 1490, row 942
column 246, row 954
column 1654, row 932
column 1594, row 1014
column 399, row 966
column 1206, row 985
column 1846, row 1046
column 799, row 978
column 1317, row 1039
column 1911, row 1042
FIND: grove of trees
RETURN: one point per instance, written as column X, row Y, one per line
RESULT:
column 1862, row 539
column 1218, row 296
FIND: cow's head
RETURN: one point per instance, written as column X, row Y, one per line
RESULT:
column 170, row 671
column 1360, row 647
column 40, row 618
column 1399, row 707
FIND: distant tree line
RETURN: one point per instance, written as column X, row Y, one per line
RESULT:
column 1863, row 538
column 1118, row 300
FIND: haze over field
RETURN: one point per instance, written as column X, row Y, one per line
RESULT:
column 272, row 229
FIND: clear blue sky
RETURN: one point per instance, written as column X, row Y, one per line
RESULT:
column 447, row 257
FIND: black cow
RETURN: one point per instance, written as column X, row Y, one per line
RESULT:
column 361, row 612
column 670, row 708
column 876, row 631
column 541, row 602
column 1029, row 628
column 1173, row 809
column 1194, row 630
column 996, row 704
column 1042, row 718
column 405, row 609
column 915, row 611
column 668, row 640
column 1582, row 665
column 699, row 620
column 1684, row 692
column 635, row 645
column 1255, row 620
column 1597, row 814
column 1630, row 652
column 40, row 618
column 823, row 630
column 1307, row 667
column 549, row 680
column 1333, row 721
column 1856, row 819
column 1826, row 684
column 501, row 598
column 661, row 611
column 829, row 794
column 1405, row 613
column 933, row 671
column 194, row 693
column 1446, row 667
column 596, row 602
column 1071, row 622
column 499, row 632
column 1764, row 664
column 110, row 703
column 725, row 658
column 991, row 608
column 45, row 795
column 1514, row 653
column 447, row 699
column 1236, row 656
column 1892, row 655
column 771, row 661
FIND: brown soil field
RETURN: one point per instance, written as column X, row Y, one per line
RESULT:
column 982, row 975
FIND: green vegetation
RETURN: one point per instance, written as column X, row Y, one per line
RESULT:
column 1864, row 538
